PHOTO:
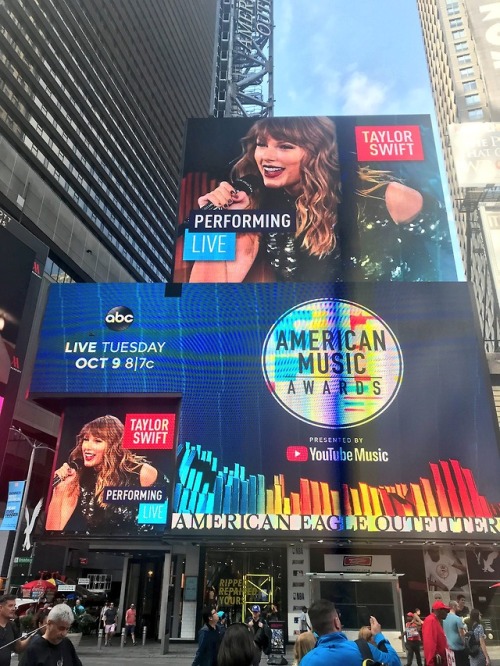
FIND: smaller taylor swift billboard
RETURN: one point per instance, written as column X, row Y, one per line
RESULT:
column 114, row 469
column 312, row 199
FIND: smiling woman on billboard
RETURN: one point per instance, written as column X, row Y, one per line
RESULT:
column 296, row 164
column 97, row 462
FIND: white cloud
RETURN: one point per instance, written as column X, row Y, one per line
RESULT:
column 362, row 95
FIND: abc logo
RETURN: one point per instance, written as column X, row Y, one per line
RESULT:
column 119, row 318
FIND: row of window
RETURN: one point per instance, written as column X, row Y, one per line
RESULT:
column 75, row 150
column 116, row 158
column 463, row 58
column 82, row 50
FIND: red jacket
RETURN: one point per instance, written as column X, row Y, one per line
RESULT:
column 434, row 640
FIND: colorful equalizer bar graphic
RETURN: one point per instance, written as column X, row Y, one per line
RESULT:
column 450, row 491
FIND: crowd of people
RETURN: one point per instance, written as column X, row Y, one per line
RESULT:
column 239, row 644
column 448, row 635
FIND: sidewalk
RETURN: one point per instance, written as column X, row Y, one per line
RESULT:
column 179, row 654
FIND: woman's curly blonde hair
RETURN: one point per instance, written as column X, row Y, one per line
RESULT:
column 117, row 461
column 320, row 174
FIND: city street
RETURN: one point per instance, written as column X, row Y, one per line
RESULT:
column 179, row 654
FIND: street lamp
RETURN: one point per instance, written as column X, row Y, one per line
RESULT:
column 34, row 447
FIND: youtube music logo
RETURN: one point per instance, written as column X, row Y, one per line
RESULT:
column 297, row 453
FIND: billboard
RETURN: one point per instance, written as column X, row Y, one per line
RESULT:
column 314, row 199
column 476, row 153
column 114, row 468
column 304, row 408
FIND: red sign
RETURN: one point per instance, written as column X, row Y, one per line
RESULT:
column 357, row 561
column 149, row 431
column 389, row 143
column 84, row 560
column 297, row 453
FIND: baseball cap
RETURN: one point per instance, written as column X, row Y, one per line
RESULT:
column 439, row 605
column 409, row 614
column 255, row 609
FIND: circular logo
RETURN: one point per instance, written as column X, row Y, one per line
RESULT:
column 119, row 318
column 332, row 363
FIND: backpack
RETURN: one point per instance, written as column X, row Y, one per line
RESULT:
column 366, row 653
column 267, row 647
column 471, row 644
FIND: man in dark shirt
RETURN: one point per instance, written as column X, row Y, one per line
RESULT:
column 54, row 648
column 208, row 639
column 462, row 610
column 109, row 623
column 8, row 630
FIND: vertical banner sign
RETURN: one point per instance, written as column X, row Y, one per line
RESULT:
column 14, row 501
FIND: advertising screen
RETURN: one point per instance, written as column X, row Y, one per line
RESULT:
column 304, row 408
column 312, row 199
column 115, row 467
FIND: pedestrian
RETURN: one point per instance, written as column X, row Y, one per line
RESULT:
column 303, row 621
column 109, row 623
column 221, row 623
column 237, row 647
column 260, row 631
column 413, row 642
column 333, row 646
column 462, row 610
column 103, row 611
column 433, row 636
column 454, row 629
column 208, row 639
column 9, row 633
column 54, row 648
column 79, row 608
column 304, row 644
column 130, row 623
column 475, row 626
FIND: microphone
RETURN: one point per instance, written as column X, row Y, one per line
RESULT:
column 74, row 464
column 247, row 184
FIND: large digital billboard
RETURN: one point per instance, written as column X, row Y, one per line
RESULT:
column 115, row 467
column 313, row 199
column 304, row 408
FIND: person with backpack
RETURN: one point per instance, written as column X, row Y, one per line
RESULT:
column 475, row 641
column 261, row 634
column 335, row 649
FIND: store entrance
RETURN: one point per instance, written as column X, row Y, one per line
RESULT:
column 357, row 597
column 144, row 584
column 237, row 580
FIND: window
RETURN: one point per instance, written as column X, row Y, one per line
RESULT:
column 461, row 46
column 458, row 34
column 466, row 72
column 475, row 114
column 462, row 59
column 452, row 8
column 456, row 23
column 470, row 85
column 472, row 99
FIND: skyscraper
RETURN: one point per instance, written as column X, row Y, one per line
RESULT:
column 94, row 99
column 461, row 44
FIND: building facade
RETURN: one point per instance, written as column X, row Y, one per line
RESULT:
column 94, row 99
column 461, row 43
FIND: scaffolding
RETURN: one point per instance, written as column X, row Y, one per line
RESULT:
column 243, row 68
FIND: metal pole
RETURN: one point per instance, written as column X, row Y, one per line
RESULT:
column 21, row 515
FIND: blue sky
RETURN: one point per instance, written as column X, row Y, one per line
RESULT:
column 349, row 57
